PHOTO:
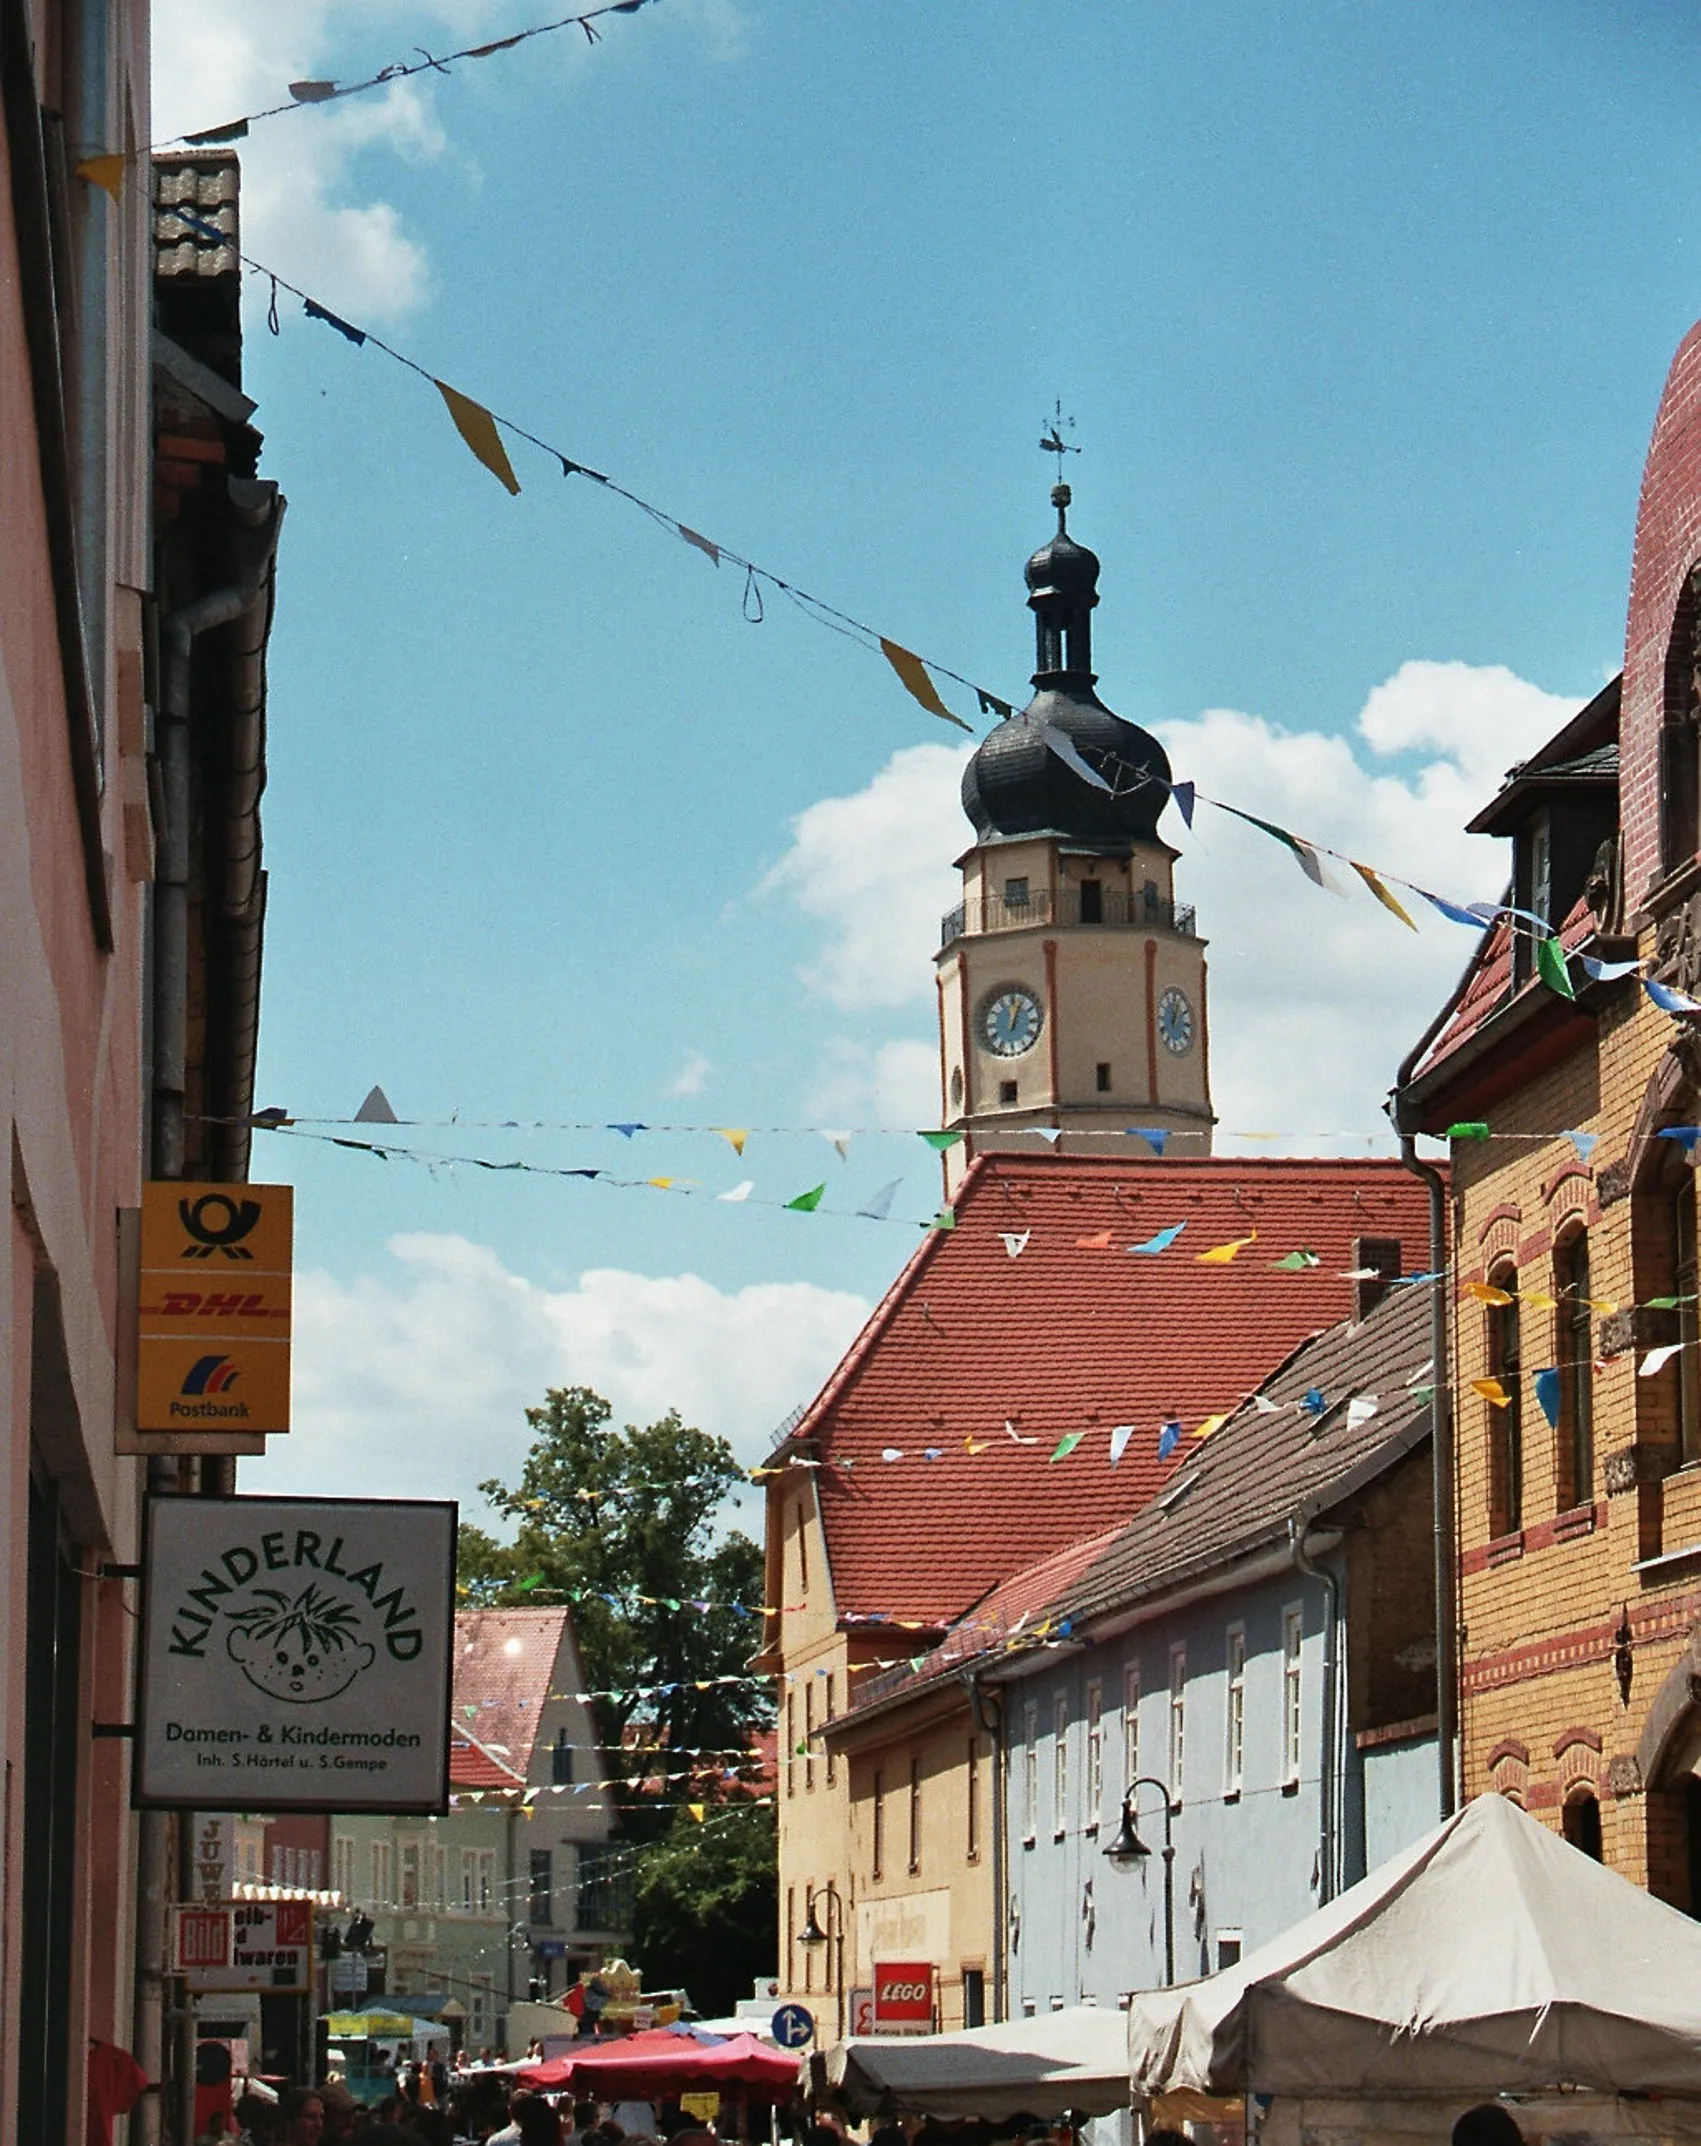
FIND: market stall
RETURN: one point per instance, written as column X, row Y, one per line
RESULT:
column 1075, row 2059
column 663, row 2064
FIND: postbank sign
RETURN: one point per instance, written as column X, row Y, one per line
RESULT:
column 213, row 1322
column 296, row 1654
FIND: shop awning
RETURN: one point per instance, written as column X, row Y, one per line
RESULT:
column 1073, row 2059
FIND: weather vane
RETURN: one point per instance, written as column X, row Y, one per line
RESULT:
column 1054, row 443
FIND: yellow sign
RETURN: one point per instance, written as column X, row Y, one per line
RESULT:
column 213, row 1320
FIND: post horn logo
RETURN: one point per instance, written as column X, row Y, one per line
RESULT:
column 217, row 1224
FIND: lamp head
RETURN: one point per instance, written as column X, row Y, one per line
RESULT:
column 1127, row 1848
column 812, row 1932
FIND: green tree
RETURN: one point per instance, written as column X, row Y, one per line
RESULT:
column 625, row 1525
column 705, row 1905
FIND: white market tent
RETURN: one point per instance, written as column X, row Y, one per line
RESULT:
column 1490, row 1957
column 1073, row 2059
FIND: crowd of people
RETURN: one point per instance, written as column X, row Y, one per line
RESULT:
column 453, row 2108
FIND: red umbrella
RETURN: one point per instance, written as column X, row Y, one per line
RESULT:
column 659, row 2065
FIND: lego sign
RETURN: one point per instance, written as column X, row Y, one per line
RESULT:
column 244, row 1945
column 295, row 1654
column 214, row 1309
column 903, row 1996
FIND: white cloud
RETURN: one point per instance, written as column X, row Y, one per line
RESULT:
column 420, row 1373
column 692, row 1075
column 1313, row 1000
column 895, row 1083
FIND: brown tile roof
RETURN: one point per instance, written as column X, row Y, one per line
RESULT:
column 1073, row 1335
column 504, row 1670
column 1239, row 1491
column 471, row 1765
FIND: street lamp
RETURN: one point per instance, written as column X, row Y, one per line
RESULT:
column 813, row 1935
column 1128, row 1849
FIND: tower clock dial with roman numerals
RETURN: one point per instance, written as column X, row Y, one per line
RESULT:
column 1010, row 1021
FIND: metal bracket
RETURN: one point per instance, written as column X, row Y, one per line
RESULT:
column 118, row 1572
column 112, row 1728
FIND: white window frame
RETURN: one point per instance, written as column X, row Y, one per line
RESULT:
column 1095, row 1754
column 1293, row 1692
column 342, row 1865
column 1059, row 1764
column 1177, row 1720
column 1130, row 1724
column 1030, row 1771
column 469, row 1880
column 1234, row 1709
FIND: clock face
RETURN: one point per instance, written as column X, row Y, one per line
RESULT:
column 1010, row 1021
column 1175, row 1022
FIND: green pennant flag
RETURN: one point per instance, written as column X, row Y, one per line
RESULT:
column 1295, row 1262
column 1551, row 967
column 944, row 1219
column 1067, row 1444
column 940, row 1142
column 526, row 1585
column 807, row 1202
column 1467, row 1129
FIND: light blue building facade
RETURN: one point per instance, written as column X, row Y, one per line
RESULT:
column 1259, row 1644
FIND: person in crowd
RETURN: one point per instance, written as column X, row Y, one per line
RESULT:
column 540, row 2122
column 1488, row 2124
column 301, row 2117
column 340, row 2109
column 584, row 2123
column 256, row 2120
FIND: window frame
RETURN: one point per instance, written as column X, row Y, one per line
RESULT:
column 1060, row 1718
column 1130, row 1723
column 1293, row 1694
column 877, row 1828
column 971, row 1802
column 1503, row 1351
column 1094, row 1784
column 915, row 1818
column 1030, row 1773
column 1177, row 1753
column 1574, row 1351
column 1234, row 1710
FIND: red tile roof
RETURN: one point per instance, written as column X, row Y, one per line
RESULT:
column 472, row 1766
column 1488, row 982
column 1069, row 1337
column 504, row 1672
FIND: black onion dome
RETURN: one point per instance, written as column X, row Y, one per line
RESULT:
column 1017, row 784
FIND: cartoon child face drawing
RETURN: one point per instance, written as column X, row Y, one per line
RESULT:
column 299, row 1651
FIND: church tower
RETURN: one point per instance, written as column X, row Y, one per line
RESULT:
column 1071, row 983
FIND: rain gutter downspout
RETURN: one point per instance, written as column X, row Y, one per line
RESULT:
column 240, row 898
column 993, row 1724
column 1327, row 1802
column 1440, row 1418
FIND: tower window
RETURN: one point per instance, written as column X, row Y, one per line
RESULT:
column 1006, row 1091
column 1104, row 1076
column 1092, row 901
column 1016, row 893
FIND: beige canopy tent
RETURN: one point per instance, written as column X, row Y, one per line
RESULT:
column 1489, row 1957
column 1073, row 2059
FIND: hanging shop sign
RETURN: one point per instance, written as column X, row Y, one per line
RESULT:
column 903, row 1996
column 210, row 1270
column 296, row 1654
column 244, row 1945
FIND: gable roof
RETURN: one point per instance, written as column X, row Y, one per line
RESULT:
column 1072, row 1335
column 505, row 1674
column 473, row 1765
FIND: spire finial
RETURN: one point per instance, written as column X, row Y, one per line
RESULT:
column 1054, row 443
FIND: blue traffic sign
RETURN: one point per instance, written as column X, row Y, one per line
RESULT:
column 792, row 2025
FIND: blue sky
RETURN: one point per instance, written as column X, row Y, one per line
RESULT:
column 1362, row 314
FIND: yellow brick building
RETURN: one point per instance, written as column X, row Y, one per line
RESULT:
column 1572, row 1261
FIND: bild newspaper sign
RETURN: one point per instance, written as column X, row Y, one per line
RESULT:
column 244, row 1945
column 296, row 1654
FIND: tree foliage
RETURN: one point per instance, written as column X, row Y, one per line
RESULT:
column 624, row 1524
column 705, row 1906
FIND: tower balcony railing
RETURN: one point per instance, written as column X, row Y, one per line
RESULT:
column 1147, row 910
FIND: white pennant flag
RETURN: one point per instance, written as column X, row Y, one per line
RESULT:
column 1119, row 1438
column 840, row 1142
column 1657, row 1359
column 1053, row 1133
column 879, row 1205
column 739, row 1192
column 1361, row 1409
column 1015, row 1241
column 1264, row 1405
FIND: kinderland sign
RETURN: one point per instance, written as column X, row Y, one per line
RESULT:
column 296, row 1654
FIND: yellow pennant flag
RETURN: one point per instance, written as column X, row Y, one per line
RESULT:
column 1493, row 1392
column 972, row 1444
column 697, row 1810
column 1381, row 893
column 734, row 1136
column 913, row 672
column 1539, row 1298
column 478, row 428
column 106, row 172
column 1210, row 1424
column 1486, row 1293
column 1220, row 1254
column 662, row 1184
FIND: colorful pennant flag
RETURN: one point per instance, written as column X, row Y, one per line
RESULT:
column 1119, row 1438
column 1657, row 1359
column 1169, row 1437
column 1063, row 746
column 1683, row 1136
column 106, row 172
column 1182, row 794
column 1297, row 1262
column 1162, row 1241
column 345, row 328
column 1312, row 1401
column 1547, row 1395
column 1015, row 1241
column 710, row 550
column 971, row 1444
column 734, row 1136
column 1156, row 1137
column 807, row 1202
column 740, row 1191
column 878, row 1205
column 946, row 1218
column 1607, row 972
column 1221, row 1254
column 1360, row 1409
column 913, row 675
column 1011, row 1432
column 1539, row 1298
column 940, row 1143
column 1067, row 1444
column 1668, row 1000
column 1098, row 1242
column 1584, row 1143
column 839, row 1143
column 1388, row 901
column 1487, row 1293
column 1210, row 1425
column 1452, row 911
column 1551, row 968
column 697, row 1811
column 1053, row 1133
column 375, row 1109
column 1467, row 1129
column 1493, row 1392
column 478, row 428
column 626, row 1131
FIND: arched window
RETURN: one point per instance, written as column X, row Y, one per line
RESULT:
column 1680, row 734
column 1505, row 1418
column 1686, row 1328
column 1580, row 1821
column 1575, row 1338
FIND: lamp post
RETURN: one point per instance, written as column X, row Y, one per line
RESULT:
column 1128, row 1848
column 813, row 1935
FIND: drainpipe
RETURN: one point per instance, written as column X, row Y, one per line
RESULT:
column 1440, row 1420
column 1327, row 1773
column 990, row 1718
column 258, row 511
